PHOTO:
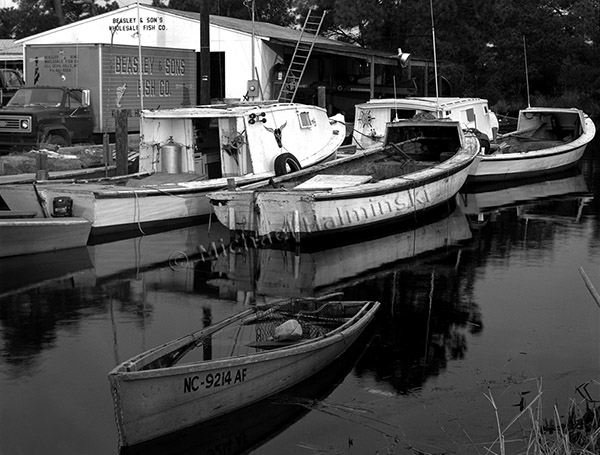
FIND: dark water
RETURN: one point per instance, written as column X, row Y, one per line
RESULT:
column 483, row 307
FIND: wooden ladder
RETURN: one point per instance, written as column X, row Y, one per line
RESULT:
column 293, row 76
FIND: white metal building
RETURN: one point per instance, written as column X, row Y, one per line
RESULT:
column 338, row 66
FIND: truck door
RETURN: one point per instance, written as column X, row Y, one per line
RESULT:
column 79, row 118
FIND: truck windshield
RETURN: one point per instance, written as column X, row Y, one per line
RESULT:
column 37, row 96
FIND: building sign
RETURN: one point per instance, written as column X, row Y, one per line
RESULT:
column 149, row 23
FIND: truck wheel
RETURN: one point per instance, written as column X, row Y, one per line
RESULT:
column 55, row 139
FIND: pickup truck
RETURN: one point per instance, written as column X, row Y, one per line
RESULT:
column 59, row 116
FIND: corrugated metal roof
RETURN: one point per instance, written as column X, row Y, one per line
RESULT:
column 288, row 36
column 276, row 34
column 8, row 47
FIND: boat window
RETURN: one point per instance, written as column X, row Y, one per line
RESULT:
column 305, row 120
column 470, row 115
column 398, row 114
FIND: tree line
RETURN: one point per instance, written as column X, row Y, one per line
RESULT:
column 482, row 46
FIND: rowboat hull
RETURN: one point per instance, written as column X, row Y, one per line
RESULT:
column 156, row 402
column 21, row 236
column 276, row 413
column 526, row 164
column 537, row 156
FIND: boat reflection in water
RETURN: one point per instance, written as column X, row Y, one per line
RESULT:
column 31, row 271
column 165, row 253
column 415, row 273
column 434, row 307
column 289, row 273
column 541, row 195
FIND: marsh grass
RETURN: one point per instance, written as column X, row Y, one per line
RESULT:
column 575, row 433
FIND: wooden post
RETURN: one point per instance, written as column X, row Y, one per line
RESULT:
column 372, row 88
column 322, row 98
column 108, row 158
column 121, row 141
column 204, row 69
column 41, row 165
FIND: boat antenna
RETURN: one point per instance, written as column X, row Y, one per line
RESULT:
column 139, row 34
column 396, row 119
column 437, row 93
column 253, row 38
column 526, row 73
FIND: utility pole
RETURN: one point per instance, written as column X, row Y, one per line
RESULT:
column 204, row 51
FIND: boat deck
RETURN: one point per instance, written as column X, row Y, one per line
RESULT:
column 515, row 145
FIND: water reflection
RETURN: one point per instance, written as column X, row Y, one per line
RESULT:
column 414, row 272
column 40, row 293
column 451, row 288
column 290, row 273
column 536, row 212
column 484, row 202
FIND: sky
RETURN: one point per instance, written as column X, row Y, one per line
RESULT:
column 10, row 3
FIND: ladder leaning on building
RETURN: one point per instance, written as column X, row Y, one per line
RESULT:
column 293, row 76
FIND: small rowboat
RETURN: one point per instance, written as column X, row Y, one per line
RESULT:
column 155, row 394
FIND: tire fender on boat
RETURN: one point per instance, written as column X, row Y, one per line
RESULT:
column 284, row 162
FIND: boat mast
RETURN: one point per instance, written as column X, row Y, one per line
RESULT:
column 139, row 33
column 437, row 93
column 253, row 37
column 526, row 72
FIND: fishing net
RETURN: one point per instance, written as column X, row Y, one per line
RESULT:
column 315, row 319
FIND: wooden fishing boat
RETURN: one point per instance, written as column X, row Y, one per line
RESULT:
column 187, row 152
column 423, row 164
column 24, row 233
column 155, row 394
column 546, row 140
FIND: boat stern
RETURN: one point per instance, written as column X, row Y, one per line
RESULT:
column 234, row 209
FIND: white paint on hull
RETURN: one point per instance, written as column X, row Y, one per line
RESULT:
column 38, row 235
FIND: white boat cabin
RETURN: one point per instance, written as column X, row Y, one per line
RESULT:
column 232, row 140
column 371, row 118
